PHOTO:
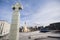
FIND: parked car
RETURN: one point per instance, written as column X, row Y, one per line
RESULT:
column 44, row 30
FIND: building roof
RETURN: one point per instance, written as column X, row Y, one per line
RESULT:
column 5, row 21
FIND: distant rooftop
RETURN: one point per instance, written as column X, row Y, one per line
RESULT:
column 56, row 23
column 5, row 21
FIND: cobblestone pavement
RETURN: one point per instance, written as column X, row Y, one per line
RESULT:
column 37, row 36
column 32, row 36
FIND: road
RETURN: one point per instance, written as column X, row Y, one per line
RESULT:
column 34, row 36
column 37, row 35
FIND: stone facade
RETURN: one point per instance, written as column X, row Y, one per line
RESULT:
column 4, row 27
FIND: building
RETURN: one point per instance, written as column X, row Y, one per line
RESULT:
column 54, row 26
column 25, row 28
column 4, row 27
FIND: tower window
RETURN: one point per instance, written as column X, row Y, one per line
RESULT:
column 13, row 8
column 19, row 8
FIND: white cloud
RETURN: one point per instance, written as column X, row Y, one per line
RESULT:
column 46, row 14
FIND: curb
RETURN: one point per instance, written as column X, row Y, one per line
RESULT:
column 53, row 37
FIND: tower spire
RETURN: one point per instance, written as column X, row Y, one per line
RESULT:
column 25, row 22
column 14, row 29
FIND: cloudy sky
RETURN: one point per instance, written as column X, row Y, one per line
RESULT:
column 35, row 12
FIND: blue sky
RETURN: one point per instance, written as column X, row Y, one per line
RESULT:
column 35, row 12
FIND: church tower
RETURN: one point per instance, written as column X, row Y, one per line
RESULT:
column 15, row 24
column 25, row 28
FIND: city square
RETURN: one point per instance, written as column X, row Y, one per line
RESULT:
column 30, row 20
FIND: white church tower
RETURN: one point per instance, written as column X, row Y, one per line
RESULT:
column 25, row 28
column 14, row 29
